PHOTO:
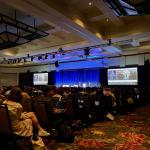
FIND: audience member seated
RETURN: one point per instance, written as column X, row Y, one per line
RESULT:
column 102, row 103
column 107, row 103
column 48, row 97
column 58, row 94
column 130, row 100
column 66, row 93
column 25, row 93
column 96, row 104
column 137, row 97
column 8, row 91
column 22, row 123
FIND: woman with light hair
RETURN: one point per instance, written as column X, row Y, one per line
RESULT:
column 22, row 122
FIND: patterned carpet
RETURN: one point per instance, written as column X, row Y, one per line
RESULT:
column 129, row 132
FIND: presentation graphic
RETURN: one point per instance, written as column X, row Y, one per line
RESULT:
column 40, row 79
column 122, row 76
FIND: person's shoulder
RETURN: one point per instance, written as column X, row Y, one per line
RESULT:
column 4, row 102
column 12, row 104
column 57, row 95
column 18, row 105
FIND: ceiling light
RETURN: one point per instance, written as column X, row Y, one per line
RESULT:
column 98, row 35
column 24, row 59
column 14, row 61
column 135, row 43
column 8, row 53
column 109, row 42
column 32, row 58
column 18, row 60
column 79, row 22
column 90, row 3
column 28, row 55
column 53, row 56
column 46, row 56
column 87, row 51
column 56, row 64
column 39, row 57
column 10, row 61
column 60, row 50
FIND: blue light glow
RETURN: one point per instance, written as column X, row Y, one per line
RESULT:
column 78, row 78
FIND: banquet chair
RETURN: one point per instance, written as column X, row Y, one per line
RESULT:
column 8, row 140
column 27, row 105
column 41, row 112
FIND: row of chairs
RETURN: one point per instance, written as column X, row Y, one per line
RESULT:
column 8, row 140
column 40, row 108
column 75, row 110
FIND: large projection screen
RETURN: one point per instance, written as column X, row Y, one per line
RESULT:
column 122, row 76
column 40, row 79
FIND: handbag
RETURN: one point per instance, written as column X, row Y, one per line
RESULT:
column 38, row 144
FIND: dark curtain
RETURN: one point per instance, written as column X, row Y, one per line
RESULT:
column 141, row 74
column 147, row 73
column 51, row 78
column 103, row 76
column 25, row 79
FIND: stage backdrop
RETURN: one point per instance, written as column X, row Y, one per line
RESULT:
column 81, row 78
column 88, row 77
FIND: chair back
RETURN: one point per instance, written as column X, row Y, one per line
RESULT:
column 5, row 123
column 27, row 105
column 69, row 106
column 87, row 105
column 84, row 103
column 41, row 112
column 38, row 98
column 10, row 140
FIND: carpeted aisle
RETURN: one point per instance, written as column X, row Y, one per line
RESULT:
column 129, row 132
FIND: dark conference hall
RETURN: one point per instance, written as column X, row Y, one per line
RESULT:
column 74, row 75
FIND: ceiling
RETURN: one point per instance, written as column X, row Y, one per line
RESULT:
column 76, row 24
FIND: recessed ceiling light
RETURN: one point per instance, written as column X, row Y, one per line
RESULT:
column 90, row 3
column 79, row 22
column 107, row 19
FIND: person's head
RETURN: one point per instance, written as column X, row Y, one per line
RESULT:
column 49, row 91
column 15, row 95
column 136, row 90
column 107, row 91
column 27, row 89
column 9, row 88
column 58, row 91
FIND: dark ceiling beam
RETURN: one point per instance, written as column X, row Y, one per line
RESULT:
column 127, row 1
